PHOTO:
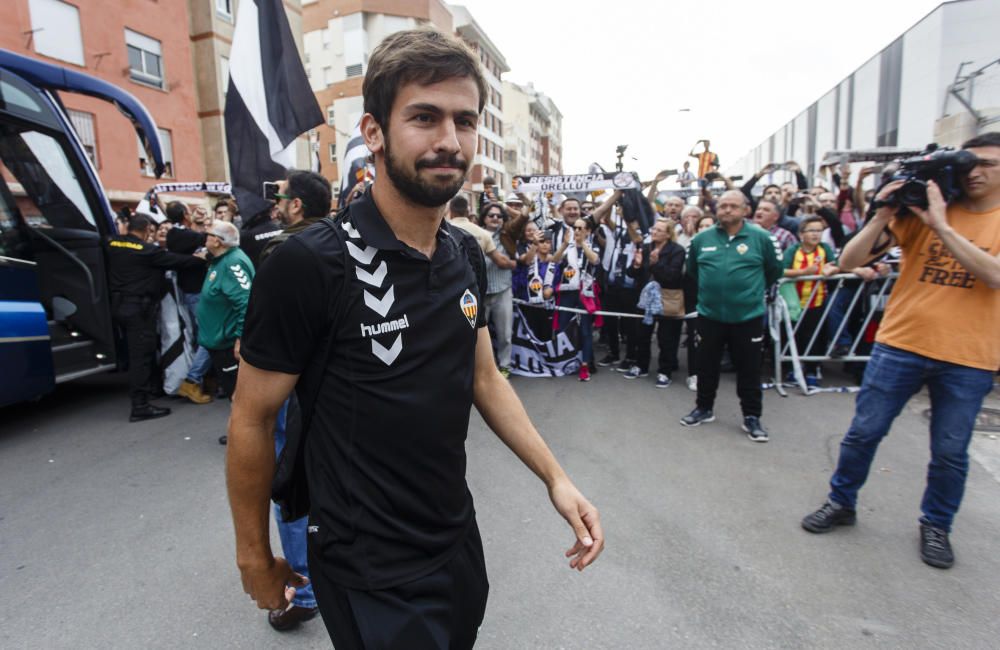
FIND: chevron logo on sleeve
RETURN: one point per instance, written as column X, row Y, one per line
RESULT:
column 240, row 276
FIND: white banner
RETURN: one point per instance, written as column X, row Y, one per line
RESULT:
column 577, row 182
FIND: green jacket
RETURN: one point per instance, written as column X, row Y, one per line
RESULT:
column 224, row 297
column 733, row 274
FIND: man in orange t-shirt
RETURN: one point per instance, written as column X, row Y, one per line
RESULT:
column 940, row 330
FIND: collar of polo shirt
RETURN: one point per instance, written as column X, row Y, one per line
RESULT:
column 376, row 232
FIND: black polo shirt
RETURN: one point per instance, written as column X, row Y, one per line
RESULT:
column 385, row 454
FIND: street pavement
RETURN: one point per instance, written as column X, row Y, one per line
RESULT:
column 118, row 535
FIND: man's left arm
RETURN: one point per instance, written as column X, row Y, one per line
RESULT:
column 975, row 260
column 237, row 290
column 502, row 410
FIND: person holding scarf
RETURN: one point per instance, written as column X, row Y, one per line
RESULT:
column 532, row 280
column 579, row 259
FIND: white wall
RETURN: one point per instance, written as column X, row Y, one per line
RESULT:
column 865, row 114
column 825, row 125
column 970, row 33
column 921, row 92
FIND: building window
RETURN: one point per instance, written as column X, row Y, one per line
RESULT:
column 145, row 58
column 330, row 116
column 167, row 150
column 354, row 70
column 325, row 34
column 55, row 30
column 327, row 75
column 83, row 124
column 224, row 8
column 333, row 152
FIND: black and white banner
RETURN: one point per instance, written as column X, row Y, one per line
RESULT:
column 578, row 182
column 269, row 102
column 353, row 164
column 546, row 353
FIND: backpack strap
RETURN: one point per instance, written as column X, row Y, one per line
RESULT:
column 289, row 488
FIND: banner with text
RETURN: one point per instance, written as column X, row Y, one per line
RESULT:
column 543, row 353
column 577, row 182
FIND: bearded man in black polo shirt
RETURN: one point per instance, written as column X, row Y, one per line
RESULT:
column 394, row 549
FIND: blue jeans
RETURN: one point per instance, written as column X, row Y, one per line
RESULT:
column 838, row 312
column 293, row 534
column 202, row 361
column 891, row 378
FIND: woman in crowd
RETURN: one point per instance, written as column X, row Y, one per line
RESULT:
column 532, row 280
column 660, row 260
column 579, row 260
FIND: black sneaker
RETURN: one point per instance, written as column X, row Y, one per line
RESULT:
column 830, row 515
column 625, row 365
column 697, row 416
column 935, row 549
column 147, row 412
column 840, row 351
column 755, row 430
column 607, row 360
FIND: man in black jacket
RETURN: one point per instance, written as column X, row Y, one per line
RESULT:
column 256, row 233
column 136, row 280
column 184, row 239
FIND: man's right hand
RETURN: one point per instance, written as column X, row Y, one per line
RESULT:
column 268, row 583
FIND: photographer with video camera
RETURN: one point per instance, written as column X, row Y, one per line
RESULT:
column 939, row 329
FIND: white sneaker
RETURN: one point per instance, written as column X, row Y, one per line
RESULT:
column 693, row 383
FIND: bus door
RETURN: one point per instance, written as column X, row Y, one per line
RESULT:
column 62, row 225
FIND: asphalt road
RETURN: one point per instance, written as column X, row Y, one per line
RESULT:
column 118, row 535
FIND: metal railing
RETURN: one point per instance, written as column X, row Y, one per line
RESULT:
column 870, row 296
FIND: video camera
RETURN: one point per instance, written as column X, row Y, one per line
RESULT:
column 945, row 166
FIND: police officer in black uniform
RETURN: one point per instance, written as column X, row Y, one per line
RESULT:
column 136, row 279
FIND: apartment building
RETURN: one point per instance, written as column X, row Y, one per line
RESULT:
column 139, row 45
column 533, row 138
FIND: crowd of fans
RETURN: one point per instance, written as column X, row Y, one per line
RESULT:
column 548, row 257
column 591, row 256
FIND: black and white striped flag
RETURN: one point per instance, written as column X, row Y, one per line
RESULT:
column 269, row 102
column 352, row 167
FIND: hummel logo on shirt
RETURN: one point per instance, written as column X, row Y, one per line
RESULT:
column 366, row 256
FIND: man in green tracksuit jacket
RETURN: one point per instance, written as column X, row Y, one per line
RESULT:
column 733, row 264
column 224, row 297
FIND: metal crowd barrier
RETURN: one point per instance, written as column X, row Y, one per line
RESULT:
column 783, row 329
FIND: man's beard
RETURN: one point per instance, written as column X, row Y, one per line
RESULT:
column 421, row 193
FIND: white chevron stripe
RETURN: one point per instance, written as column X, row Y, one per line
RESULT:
column 381, row 307
column 351, row 231
column 388, row 355
column 363, row 256
column 374, row 279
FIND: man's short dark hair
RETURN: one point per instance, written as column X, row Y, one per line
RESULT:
column 777, row 206
column 176, row 211
column 767, row 187
column 139, row 223
column 567, row 200
column 313, row 190
column 459, row 206
column 424, row 56
column 225, row 203
column 812, row 218
column 991, row 139
column 489, row 180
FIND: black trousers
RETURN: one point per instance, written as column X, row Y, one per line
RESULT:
column 692, row 345
column 138, row 319
column 622, row 300
column 745, row 346
column 226, row 367
column 668, row 338
column 441, row 610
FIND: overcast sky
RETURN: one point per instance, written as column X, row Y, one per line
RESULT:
column 621, row 70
